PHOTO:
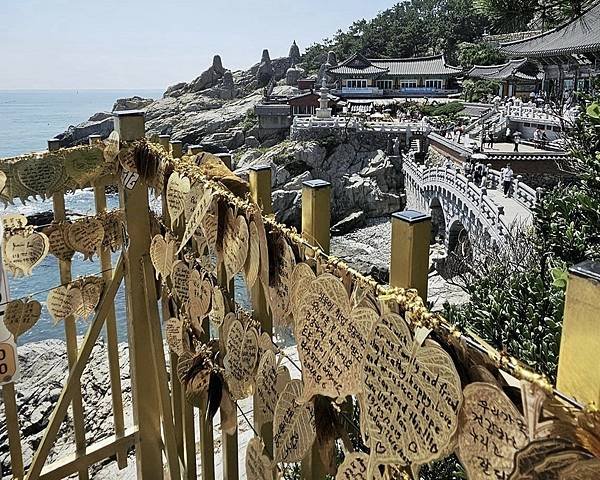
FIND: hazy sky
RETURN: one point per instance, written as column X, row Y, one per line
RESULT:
column 49, row 44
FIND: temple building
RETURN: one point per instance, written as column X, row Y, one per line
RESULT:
column 569, row 55
column 358, row 76
column 516, row 77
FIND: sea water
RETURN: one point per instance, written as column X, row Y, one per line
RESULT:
column 27, row 120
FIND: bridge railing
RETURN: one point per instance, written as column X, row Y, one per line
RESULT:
column 464, row 187
column 522, row 192
column 357, row 124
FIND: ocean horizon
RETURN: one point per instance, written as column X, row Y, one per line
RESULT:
column 28, row 118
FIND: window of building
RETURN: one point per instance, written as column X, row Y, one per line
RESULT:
column 408, row 84
column 436, row 83
column 385, row 84
column 356, row 83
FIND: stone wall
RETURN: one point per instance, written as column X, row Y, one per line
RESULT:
column 379, row 140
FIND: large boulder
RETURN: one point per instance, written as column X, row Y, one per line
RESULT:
column 365, row 180
column 131, row 103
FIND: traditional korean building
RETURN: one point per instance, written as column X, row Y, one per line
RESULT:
column 358, row 76
column 569, row 55
column 516, row 77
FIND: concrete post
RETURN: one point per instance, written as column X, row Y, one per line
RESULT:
column 53, row 144
column 260, row 187
column 409, row 263
column 578, row 372
column 94, row 139
column 163, row 141
column 226, row 159
column 316, row 213
column 194, row 149
column 176, row 148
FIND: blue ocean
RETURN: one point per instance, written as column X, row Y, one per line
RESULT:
column 27, row 120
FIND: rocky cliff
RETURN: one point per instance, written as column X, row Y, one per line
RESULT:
column 366, row 182
column 218, row 101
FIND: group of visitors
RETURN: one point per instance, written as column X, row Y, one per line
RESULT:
column 477, row 169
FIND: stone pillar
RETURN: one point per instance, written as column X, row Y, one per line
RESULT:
column 226, row 159
column 578, row 372
column 163, row 141
column 260, row 187
column 409, row 263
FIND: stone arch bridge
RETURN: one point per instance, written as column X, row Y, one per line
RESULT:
column 463, row 212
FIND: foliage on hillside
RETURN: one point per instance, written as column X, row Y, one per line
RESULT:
column 408, row 29
column 470, row 54
column 425, row 27
column 479, row 90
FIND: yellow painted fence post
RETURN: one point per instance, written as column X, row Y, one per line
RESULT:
column 316, row 220
column 579, row 359
column 409, row 263
column 146, row 411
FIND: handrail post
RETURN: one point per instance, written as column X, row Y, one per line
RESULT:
column 260, row 187
column 578, row 373
column 163, row 141
column 316, row 219
column 409, row 263
column 176, row 148
column 316, row 213
column 518, row 182
column 260, row 192
column 111, row 327
column 58, row 205
column 134, row 200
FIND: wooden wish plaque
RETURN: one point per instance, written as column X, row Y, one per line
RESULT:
column 411, row 396
column 332, row 339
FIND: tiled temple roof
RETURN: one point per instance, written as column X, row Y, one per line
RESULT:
column 358, row 65
column 579, row 35
column 433, row 65
column 501, row 72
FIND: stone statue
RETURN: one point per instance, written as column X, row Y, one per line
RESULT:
column 331, row 62
column 332, row 59
column 293, row 74
column 294, row 54
column 210, row 77
column 265, row 70
column 228, row 86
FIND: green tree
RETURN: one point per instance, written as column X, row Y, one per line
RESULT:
column 470, row 54
column 479, row 90
column 408, row 29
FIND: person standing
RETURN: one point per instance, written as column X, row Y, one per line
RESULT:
column 516, row 140
column 507, row 176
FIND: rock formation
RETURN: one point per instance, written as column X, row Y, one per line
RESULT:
column 228, row 86
column 265, row 70
column 210, row 77
column 131, row 103
column 294, row 54
column 363, row 177
column 293, row 74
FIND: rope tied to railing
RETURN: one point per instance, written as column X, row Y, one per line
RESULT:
column 408, row 300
